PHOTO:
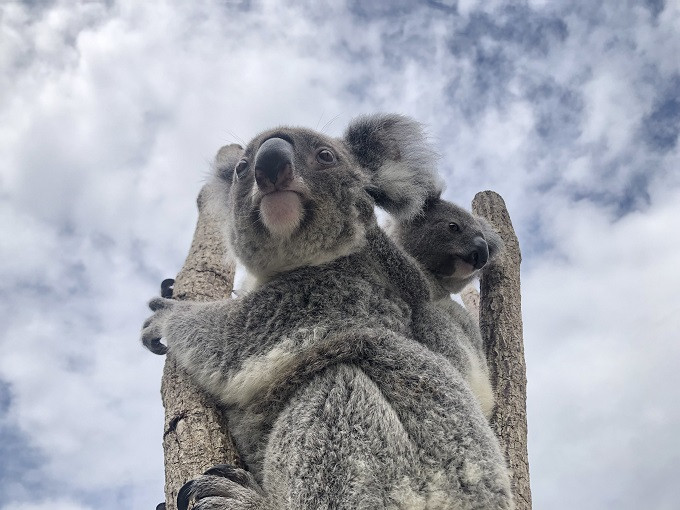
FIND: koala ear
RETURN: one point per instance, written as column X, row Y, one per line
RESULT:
column 432, row 201
column 219, row 184
column 399, row 161
column 493, row 240
column 225, row 161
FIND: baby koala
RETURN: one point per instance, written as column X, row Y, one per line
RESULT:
column 452, row 246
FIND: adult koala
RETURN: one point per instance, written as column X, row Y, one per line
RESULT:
column 452, row 246
column 331, row 403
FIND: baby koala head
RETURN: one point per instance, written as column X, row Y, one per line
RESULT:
column 295, row 197
column 451, row 244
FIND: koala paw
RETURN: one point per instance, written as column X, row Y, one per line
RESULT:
column 223, row 486
column 152, row 329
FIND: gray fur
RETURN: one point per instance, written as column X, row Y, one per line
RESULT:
column 442, row 251
column 330, row 400
column 445, row 326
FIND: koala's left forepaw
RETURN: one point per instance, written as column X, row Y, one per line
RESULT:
column 223, row 486
column 152, row 329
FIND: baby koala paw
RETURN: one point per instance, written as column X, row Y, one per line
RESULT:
column 223, row 486
column 153, row 328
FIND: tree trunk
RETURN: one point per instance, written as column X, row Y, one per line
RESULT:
column 470, row 297
column 195, row 436
column 500, row 321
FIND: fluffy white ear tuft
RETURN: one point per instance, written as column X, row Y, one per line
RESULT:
column 399, row 161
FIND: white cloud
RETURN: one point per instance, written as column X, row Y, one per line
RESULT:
column 59, row 504
column 612, row 111
column 602, row 352
column 111, row 114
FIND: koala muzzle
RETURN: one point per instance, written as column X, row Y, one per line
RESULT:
column 274, row 164
column 478, row 257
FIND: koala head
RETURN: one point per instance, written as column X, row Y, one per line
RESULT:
column 295, row 197
column 449, row 242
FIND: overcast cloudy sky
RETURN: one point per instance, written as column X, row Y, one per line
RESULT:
column 111, row 111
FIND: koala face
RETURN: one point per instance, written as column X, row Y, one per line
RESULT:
column 294, row 197
column 452, row 244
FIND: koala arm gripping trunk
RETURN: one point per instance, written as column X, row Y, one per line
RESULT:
column 198, row 336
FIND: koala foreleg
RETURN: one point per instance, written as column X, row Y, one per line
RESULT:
column 197, row 336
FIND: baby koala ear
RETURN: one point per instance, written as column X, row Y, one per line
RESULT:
column 225, row 161
column 398, row 160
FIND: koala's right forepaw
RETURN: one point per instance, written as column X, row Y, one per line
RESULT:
column 223, row 486
column 152, row 329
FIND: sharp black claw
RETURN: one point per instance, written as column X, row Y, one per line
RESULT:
column 155, row 346
column 184, row 496
column 167, row 287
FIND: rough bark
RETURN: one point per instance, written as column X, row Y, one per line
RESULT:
column 195, row 435
column 500, row 321
column 470, row 297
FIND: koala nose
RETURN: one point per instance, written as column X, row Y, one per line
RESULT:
column 480, row 255
column 273, row 162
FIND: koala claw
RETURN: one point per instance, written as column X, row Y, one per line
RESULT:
column 167, row 287
column 155, row 346
column 222, row 486
column 152, row 331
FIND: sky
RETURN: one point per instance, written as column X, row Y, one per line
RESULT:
column 111, row 112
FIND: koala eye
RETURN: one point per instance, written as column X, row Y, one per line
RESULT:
column 241, row 168
column 453, row 227
column 325, row 157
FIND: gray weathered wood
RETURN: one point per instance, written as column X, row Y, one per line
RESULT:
column 470, row 297
column 195, row 435
column 500, row 320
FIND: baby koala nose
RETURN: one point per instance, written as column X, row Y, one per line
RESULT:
column 480, row 255
column 274, row 164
